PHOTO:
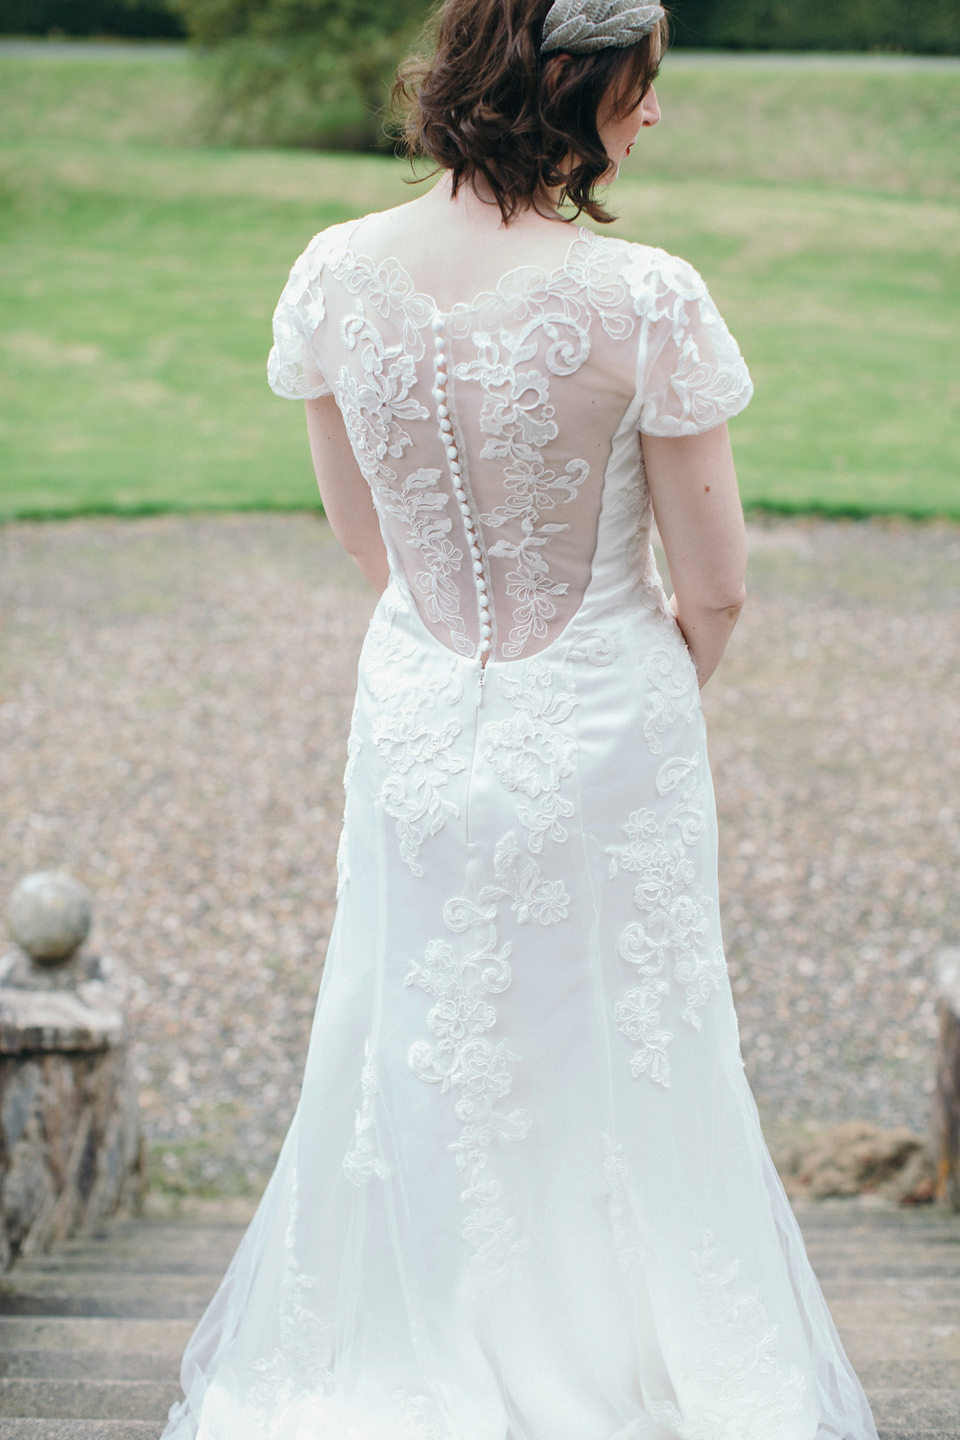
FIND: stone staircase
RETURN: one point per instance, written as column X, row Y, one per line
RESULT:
column 91, row 1336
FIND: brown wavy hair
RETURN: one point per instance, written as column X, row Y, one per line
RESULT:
column 487, row 106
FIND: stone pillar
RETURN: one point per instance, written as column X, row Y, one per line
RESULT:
column 946, row 1112
column 70, row 1148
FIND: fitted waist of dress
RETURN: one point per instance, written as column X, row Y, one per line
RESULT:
column 633, row 616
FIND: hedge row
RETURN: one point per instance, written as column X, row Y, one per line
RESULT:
column 137, row 19
column 917, row 26
column 920, row 26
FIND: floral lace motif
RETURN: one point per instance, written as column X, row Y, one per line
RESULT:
column 374, row 407
column 531, row 898
column 741, row 1388
column 672, row 931
column 417, row 745
column 531, row 754
column 420, row 1417
column 354, row 746
column 594, row 647
column 671, row 691
column 536, row 325
column 302, row 1361
column 360, row 1162
column 695, row 376
column 464, row 1058
column 417, row 503
column 630, row 1258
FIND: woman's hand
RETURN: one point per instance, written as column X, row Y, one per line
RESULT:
column 696, row 504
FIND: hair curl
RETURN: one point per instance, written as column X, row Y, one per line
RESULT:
column 487, row 106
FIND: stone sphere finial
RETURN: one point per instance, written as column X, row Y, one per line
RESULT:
column 49, row 915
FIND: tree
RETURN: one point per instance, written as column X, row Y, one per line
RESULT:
column 303, row 72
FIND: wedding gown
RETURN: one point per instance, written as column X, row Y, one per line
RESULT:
column 524, row 1195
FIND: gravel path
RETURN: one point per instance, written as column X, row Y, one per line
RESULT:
column 174, row 702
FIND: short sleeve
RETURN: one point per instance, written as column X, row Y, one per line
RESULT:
column 293, row 366
column 691, row 375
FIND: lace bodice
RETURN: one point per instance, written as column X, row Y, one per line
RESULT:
column 485, row 431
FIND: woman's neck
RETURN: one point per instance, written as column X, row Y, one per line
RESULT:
column 475, row 203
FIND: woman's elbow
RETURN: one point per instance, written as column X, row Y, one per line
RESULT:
column 728, row 599
column 736, row 600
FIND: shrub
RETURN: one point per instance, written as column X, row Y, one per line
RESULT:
column 311, row 73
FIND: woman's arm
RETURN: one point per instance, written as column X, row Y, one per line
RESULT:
column 693, row 487
column 346, row 496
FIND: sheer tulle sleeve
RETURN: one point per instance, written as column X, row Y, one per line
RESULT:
column 293, row 367
column 691, row 375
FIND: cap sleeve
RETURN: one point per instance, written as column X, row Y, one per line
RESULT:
column 691, row 375
column 293, row 366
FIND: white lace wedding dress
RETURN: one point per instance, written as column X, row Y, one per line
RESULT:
column 524, row 1195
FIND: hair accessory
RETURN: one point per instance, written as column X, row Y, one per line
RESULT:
column 582, row 26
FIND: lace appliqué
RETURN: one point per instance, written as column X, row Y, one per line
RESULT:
column 419, row 1417
column 594, row 647
column 417, row 503
column 354, row 746
column 360, row 1163
column 302, row 1362
column 292, row 367
column 532, row 755
column 630, row 1258
column 705, row 380
column 374, row 408
column 519, row 419
column 531, row 897
column 417, row 745
column 740, row 1388
column 464, row 1058
column 671, row 691
column 672, row 931
column 550, row 313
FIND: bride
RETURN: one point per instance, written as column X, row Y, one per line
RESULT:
column 524, row 1195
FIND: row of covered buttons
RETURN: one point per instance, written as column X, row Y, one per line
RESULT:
column 459, row 489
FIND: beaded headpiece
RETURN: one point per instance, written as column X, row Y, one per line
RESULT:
column 582, row 26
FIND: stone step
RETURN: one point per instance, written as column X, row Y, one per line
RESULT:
column 118, row 1307
column 922, row 1408
column 945, row 1276
column 109, row 1269
column 149, row 1261
column 210, row 1250
column 915, row 1372
column 99, row 1284
column 818, row 1217
column 97, row 1329
column 857, row 1306
column 88, row 1399
column 935, row 1350
column 905, row 1432
column 907, row 1227
column 37, row 1364
column 64, row 1293
column 62, row 1429
column 93, row 1333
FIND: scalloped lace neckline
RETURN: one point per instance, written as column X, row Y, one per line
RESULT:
column 498, row 291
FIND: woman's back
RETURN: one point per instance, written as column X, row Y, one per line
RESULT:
column 486, row 380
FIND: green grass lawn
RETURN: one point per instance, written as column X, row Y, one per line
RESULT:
column 139, row 270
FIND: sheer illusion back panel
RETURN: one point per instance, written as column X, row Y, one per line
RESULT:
column 485, row 430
